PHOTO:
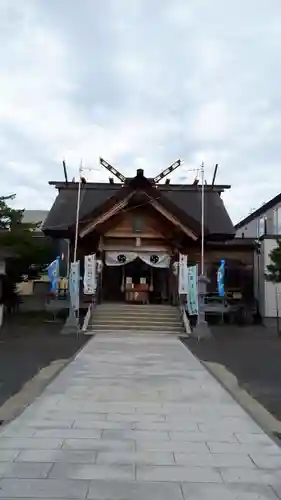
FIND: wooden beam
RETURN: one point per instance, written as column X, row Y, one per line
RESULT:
column 104, row 217
column 173, row 219
column 214, row 175
column 124, row 234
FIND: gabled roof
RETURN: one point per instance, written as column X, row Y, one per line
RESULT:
column 260, row 211
column 137, row 198
column 183, row 201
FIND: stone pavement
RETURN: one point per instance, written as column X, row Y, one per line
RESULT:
column 137, row 418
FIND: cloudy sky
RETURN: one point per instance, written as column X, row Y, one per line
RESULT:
column 141, row 83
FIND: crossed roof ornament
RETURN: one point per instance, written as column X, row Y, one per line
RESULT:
column 156, row 179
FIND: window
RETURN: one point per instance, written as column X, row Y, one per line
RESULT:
column 277, row 221
column 261, row 227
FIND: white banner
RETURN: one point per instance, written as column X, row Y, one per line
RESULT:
column 192, row 295
column 74, row 285
column 183, row 283
column 154, row 259
column 89, row 274
column 119, row 258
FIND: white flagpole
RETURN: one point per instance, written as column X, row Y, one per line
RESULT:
column 72, row 323
column 202, row 329
column 202, row 218
column 77, row 213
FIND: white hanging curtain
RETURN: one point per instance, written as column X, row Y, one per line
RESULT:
column 119, row 258
column 155, row 259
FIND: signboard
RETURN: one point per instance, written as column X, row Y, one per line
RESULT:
column 74, row 285
column 192, row 295
column 90, row 274
column 183, row 285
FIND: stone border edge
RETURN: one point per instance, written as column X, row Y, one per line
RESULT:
column 268, row 423
column 33, row 388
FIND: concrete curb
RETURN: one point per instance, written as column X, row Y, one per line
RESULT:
column 269, row 424
column 17, row 403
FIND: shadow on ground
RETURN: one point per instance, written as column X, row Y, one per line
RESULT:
column 252, row 354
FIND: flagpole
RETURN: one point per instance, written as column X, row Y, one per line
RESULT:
column 202, row 328
column 202, row 219
column 77, row 213
column 72, row 322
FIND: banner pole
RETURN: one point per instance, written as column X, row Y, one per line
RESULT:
column 77, row 213
column 202, row 219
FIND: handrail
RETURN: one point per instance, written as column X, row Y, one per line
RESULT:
column 181, row 305
column 185, row 320
column 92, row 305
column 87, row 317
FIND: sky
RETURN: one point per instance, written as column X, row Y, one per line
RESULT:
column 141, row 83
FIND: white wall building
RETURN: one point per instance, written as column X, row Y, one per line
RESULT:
column 264, row 225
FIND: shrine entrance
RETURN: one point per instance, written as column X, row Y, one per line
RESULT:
column 137, row 281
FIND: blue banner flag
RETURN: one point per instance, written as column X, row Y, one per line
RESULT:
column 220, row 278
column 53, row 273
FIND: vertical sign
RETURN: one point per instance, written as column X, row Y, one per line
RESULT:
column 192, row 295
column 183, row 289
column 90, row 274
column 74, row 285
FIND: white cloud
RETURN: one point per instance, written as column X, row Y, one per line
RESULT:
column 212, row 122
column 140, row 86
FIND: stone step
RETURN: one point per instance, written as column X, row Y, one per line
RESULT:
column 129, row 326
column 118, row 333
column 120, row 324
column 134, row 310
column 122, row 306
column 139, row 324
column 135, row 319
column 132, row 316
column 139, row 309
column 126, row 319
column 110, row 318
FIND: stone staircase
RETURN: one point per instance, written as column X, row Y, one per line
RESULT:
column 130, row 318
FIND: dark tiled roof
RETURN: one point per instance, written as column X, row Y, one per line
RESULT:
column 184, row 202
column 217, row 220
column 63, row 212
column 260, row 211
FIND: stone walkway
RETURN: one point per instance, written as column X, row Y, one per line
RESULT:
column 137, row 418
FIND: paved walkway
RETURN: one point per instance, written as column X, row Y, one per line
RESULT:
column 137, row 418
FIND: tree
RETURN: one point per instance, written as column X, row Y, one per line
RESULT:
column 273, row 270
column 30, row 251
column 9, row 217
